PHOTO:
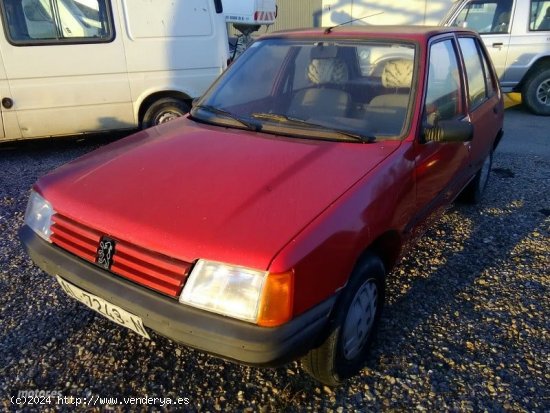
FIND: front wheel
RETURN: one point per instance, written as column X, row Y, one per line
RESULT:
column 536, row 92
column 163, row 110
column 353, row 325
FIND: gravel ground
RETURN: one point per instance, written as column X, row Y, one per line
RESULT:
column 466, row 327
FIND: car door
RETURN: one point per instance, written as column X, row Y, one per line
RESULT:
column 484, row 105
column 493, row 20
column 65, row 66
column 441, row 168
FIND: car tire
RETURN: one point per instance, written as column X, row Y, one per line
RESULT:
column 473, row 192
column 163, row 110
column 536, row 92
column 355, row 318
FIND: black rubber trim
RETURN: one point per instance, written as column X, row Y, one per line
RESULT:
column 498, row 139
column 215, row 334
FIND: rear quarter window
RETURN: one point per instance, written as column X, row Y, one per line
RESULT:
column 540, row 16
column 475, row 71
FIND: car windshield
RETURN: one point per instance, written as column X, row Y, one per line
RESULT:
column 342, row 90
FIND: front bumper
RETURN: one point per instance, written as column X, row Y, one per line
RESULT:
column 215, row 334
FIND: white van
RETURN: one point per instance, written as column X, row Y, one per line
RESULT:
column 79, row 66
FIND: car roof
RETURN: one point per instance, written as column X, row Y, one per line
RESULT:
column 401, row 32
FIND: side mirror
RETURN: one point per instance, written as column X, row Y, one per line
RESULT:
column 449, row 131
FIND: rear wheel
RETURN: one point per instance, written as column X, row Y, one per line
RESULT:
column 473, row 192
column 355, row 320
column 163, row 110
column 536, row 92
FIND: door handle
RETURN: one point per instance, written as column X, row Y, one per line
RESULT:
column 499, row 45
column 495, row 109
column 7, row 103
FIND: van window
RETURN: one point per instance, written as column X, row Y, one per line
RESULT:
column 39, row 22
column 485, row 16
column 540, row 16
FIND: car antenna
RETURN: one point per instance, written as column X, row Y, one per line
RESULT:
column 329, row 29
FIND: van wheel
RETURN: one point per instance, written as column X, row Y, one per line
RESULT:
column 163, row 110
column 473, row 192
column 355, row 320
column 536, row 92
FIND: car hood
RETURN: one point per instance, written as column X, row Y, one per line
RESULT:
column 193, row 191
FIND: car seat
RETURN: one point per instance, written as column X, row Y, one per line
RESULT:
column 325, row 98
column 386, row 112
column 545, row 23
column 503, row 22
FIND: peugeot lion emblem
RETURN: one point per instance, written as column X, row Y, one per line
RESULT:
column 105, row 253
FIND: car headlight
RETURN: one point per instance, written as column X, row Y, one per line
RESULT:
column 246, row 294
column 39, row 215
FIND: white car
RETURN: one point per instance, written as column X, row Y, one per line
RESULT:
column 516, row 34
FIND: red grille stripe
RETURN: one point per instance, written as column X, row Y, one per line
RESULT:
column 147, row 281
column 69, row 224
column 67, row 235
column 74, row 248
column 162, row 262
column 148, row 268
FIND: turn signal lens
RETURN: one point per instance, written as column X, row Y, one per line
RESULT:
column 277, row 300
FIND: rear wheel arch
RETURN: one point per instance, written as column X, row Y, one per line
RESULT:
column 154, row 98
column 535, row 92
column 542, row 63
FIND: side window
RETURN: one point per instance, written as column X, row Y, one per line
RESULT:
column 443, row 90
column 35, row 22
column 540, row 16
column 485, row 16
column 477, row 90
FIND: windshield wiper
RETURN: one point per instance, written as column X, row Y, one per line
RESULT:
column 218, row 111
column 284, row 118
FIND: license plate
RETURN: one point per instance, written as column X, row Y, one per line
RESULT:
column 105, row 308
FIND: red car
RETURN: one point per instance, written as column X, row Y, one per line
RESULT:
column 261, row 227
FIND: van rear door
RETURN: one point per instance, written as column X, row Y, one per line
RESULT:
column 8, row 119
column 4, row 91
column 65, row 66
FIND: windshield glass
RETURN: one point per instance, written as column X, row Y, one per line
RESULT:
column 333, row 90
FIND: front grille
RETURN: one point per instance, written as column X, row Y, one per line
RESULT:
column 148, row 268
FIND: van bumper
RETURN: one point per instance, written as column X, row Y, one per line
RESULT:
column 212, row 333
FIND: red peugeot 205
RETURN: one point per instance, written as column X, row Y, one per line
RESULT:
column 261, row 227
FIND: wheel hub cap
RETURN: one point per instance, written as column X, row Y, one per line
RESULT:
column 543, row 93
column 360, row 319
column 166, row 117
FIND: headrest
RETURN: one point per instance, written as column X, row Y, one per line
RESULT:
column 332, row 70
column 397, row 73
column 504, row 17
